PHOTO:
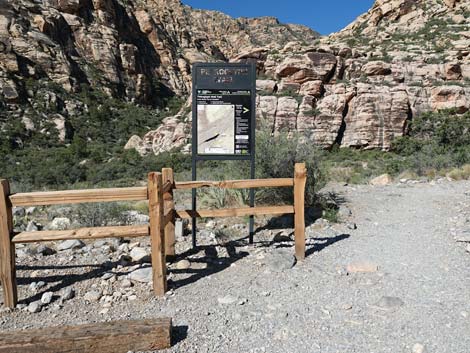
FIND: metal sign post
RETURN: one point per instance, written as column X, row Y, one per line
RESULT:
column 224, row 119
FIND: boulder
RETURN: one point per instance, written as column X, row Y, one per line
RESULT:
column 35, row 307
column 450, row 97
column 183, row 265
column 133, row 143
column 307, row 67
column 138, row 254
column 70, row 244
column 451, row 3
column 171, row 134
column 93, row 295
column 69, row 6
column 268, row 86
column 374, row 68
column 144, row 20
column 381, row 180
column 312, row 88
column 8, row 90
column 59, row 223
column 67, row 294
column 143, row 275
column 280, row 261
column 453, row 71
column 46, row 298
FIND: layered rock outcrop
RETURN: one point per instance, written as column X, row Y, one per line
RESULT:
column 358, row 87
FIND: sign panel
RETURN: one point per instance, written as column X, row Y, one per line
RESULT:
column 223, row 110
column 223, row 122
column 224, row 103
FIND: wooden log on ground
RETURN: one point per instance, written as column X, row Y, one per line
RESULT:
column 237, row 212
column 169, row 206
column 7, row 248
column 157, row 235
column 79, row 196
column 103, row 337
column 236, row 184
column 300, row 179
column 82, row 233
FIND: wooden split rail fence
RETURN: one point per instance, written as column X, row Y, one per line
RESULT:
column 162, row 214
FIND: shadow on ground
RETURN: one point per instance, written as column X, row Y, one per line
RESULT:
column 63, row 280
column 213, row 263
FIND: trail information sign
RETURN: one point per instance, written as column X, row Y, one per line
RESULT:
column 224, row 122
column 223, row 110
column 224, row 114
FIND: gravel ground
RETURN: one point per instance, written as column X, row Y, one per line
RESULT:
column 397, row 283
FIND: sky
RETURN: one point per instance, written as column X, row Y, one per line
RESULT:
column 324, row 16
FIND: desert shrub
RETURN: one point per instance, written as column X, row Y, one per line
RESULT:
column 462, row 173
column 65, row 167
column 276, row 156
column 436, row 141
column 220, row 198
column 101, row 214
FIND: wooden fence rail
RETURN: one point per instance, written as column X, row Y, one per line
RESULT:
column 162, row 215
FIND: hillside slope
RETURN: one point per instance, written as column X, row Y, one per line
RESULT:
column 358, row 87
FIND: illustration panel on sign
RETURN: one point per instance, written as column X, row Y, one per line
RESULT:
column 216, row 128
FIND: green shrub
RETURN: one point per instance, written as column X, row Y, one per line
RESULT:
column 276, row 156
column 101, row 214
column 436, row 141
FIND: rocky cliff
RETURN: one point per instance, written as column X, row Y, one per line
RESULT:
column 359, row 87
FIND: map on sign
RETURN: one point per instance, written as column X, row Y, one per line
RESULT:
column 223, row 122
column 216, row 129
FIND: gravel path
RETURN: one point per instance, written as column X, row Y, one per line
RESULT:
column 398, row 283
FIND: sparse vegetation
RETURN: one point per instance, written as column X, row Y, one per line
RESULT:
column 437, row 145
column 312, row 112
column 92, row 151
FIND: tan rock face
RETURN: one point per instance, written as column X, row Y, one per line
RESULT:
column 312, row 88
column 377, row 68
column 8, row 90
column 172, row 134
column 134, row 143
column 268, row 86
column 286, row 114
column 358, row 87
column 308, row 67
column 69, row 6
column 451, row 3
column 375, row 116
column 450, row 97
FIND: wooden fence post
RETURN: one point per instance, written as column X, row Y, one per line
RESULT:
column 300, row 179
column 7, row 248
column 157, row 239
column 169, row 207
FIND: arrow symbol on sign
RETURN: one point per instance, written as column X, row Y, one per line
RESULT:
column 245, row 110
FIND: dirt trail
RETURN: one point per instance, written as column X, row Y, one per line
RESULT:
column 250, row 298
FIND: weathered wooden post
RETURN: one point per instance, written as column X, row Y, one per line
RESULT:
column 157, row 239
column 7, row 248
column 300, row 179
column 169, row 206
